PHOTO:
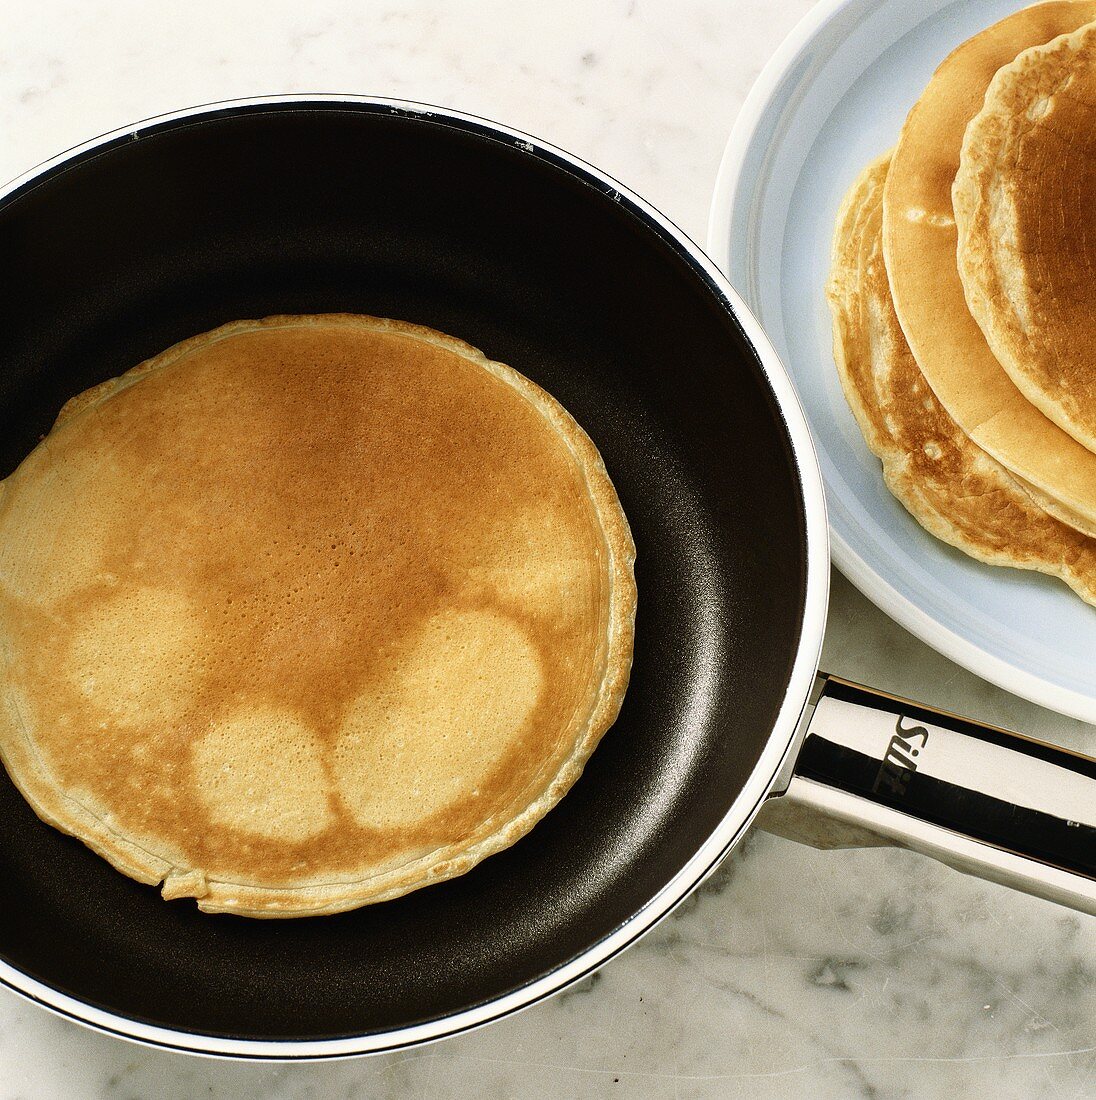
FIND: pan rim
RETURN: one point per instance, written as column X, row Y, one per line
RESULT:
column 753, row 793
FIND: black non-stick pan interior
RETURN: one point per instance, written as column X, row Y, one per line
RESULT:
column 300, row 208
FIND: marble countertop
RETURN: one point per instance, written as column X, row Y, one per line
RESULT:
column 792, row 972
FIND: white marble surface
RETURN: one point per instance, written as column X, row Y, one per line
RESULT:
column 794, row 972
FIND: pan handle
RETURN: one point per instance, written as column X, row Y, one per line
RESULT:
column 875, row 769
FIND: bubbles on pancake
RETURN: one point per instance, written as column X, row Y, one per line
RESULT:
column 260, row 771
column 136, row 654
column 428, row 734
column 1039, row 108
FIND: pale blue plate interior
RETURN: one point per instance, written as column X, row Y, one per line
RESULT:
column 839, row 103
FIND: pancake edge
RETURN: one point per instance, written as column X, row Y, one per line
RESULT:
column 977, row 218
column 849, row 238
column 216, row 895
column 1006, row 425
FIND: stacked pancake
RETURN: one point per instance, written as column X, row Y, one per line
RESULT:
column 309, row 612
column 964, row 303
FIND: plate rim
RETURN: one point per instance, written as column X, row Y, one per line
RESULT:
column 728, row 194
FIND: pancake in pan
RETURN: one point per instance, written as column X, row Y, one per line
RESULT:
column 308, row 612
column 954, row 489
column 920, row 246
column 1024, row 198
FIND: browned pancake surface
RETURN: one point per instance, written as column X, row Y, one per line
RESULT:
column 306, row 603
column 953, row 488
column 1023, row 198
column 920, row 240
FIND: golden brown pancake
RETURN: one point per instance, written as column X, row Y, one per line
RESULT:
column 308, row 612
column 954, row 489
column 920, row 246
column 1024, row 198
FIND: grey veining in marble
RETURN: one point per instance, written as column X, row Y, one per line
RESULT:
column 792, row 972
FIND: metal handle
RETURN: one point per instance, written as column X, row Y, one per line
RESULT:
column 884, row 770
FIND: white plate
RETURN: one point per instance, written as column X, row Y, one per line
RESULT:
column 834, row 96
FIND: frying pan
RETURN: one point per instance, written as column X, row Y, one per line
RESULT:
column 131, row 242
